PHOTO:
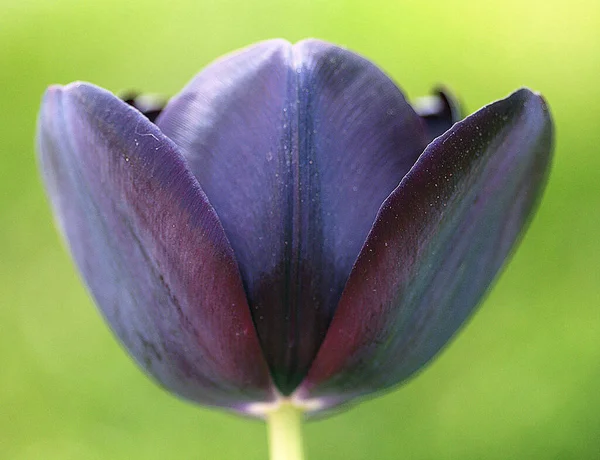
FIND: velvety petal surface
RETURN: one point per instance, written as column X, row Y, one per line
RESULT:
column 437, row 244
column 296, row 148
column 150, row 247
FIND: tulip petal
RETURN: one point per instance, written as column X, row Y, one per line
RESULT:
column 439, row 112
column 150, row 247
column 436, row 246
column 296, row 148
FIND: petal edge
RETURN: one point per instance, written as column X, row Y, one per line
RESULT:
column 437, row 244
column 143, row 235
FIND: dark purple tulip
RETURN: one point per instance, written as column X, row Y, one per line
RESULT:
column 289, row 225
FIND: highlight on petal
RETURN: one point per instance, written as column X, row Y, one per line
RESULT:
column 437, row 244
column 296, row 148
column 150, row 247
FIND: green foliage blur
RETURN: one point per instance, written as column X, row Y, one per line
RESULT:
column 520, row 382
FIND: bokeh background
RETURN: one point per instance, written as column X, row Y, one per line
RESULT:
column 522, row 379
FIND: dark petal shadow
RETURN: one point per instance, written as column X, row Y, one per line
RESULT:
column 150, row 247
column 437, row 244
column 296, row 148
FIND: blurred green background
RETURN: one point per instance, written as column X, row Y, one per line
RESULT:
column 521, row 381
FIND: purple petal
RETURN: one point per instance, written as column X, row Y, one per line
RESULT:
column 150, row 247
column 438, row 111
column 296, row 148
column 437, row 244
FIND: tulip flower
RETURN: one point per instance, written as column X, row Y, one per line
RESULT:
column 288, row 234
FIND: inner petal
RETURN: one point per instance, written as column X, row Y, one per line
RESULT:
column 296, row 148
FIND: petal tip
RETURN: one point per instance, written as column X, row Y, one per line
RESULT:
column 529, row 96
column 52, row 93
column 536, row 105
column 54, row 89
column 265, row 47
column 311, row 41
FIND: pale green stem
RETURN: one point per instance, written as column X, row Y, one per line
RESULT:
column 285, row 433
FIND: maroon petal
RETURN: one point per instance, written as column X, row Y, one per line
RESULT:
column 437, row 244
column 150, row 247
column 296, row 148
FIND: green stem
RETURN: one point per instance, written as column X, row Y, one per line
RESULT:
column 285, row 433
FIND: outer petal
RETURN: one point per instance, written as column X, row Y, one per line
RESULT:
column 296, row 148
column 437, row 244
column 150, row 247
